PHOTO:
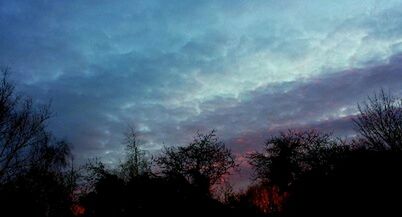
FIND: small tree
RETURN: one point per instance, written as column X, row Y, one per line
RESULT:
column 203, row 162
column 380, row 122
column 136, row 162
column 286, row 156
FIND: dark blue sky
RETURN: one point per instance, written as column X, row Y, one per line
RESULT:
column 170, row 68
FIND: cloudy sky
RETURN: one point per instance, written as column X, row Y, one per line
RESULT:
column 170, row 68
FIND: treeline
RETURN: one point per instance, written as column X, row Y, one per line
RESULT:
column 298, row 172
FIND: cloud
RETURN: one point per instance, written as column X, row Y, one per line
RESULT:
column 325, row 102
column 175, row 67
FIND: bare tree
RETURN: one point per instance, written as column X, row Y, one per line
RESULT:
column 380, row 122
column 21, row 129
column 203, row 162
column 136, row 162
column 33, row 180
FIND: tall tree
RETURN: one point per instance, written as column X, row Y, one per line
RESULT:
column 22, row 130
column 32, row 177
column 136, row 162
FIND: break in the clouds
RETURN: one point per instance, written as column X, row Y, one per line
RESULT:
column 246, row 68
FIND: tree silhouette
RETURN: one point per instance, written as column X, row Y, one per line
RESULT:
column 362, row 179
column 22, row 130
column 203, row 162
column 33, row 179
column 359, row 182
column 380, row 122
column 288, row 155
column 136, row 162
column 299, row 172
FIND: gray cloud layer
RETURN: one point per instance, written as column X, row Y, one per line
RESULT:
column 171, row 68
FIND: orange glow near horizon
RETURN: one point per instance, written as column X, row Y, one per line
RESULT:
column 267, row 199
column 78, row 210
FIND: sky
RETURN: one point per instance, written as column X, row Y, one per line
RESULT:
column 248, row 69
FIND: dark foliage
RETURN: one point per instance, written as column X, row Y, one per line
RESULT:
column 32, row 177
column 287, row 156
column 362, row 183
column 363, row 180
column 203, row 162
column 145, row 196
column 177, row 192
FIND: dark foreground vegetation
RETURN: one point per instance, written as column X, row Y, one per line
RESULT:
column 298, row 173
